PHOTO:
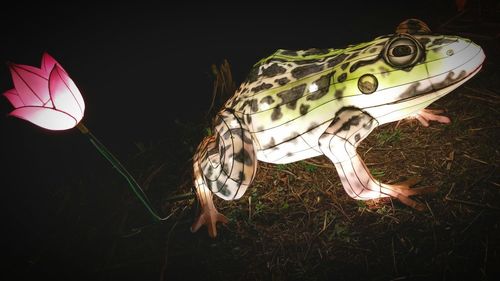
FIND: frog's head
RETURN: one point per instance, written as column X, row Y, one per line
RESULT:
column 397, row 75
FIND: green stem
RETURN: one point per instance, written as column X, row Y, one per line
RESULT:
column 134, row 186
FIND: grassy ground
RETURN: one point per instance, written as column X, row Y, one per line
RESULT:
column 296, row 222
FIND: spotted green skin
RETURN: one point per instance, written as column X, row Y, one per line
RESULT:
column 292, row 101
column 279, row 101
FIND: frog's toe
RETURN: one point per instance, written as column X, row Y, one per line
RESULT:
column 405, row 187
column 410, row 202
column 426, row 115
column 403, row 190
column 210, row 219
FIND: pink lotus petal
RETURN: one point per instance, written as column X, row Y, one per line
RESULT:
column 31, row 87
column 13, row 97
column 48, row 63
column 65, row 95
column 47, row 118
column 35, row 70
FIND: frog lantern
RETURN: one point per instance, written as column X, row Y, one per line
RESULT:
column 296, row 105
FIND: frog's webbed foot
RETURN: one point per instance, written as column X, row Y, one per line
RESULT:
column 209, row 217
column 402, row 191
column 426, row 115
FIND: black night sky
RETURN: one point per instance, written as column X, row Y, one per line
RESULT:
column 142, row 68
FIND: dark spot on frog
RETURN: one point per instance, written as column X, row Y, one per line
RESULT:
column 222, row 188
column 289, row 97
column 315, row 51
column 361, row 63
column 304, row 108
column 336, row 60
column 226, row 170
column 442, row 41
column 253, row 75
column 342, row 77
column 248, row 118
column 282, row 81
column 384, row 71
column 372, row 50
column 261, row 87
column 250, row 102
column 271, row 143
column 243, row 156
column 344, row 66
column 312, row 126
column 226, row 135
column 357, row 137
column 276, row 115
column 449, row 80
column 307, row 61
column 247, row 138
column 241, row 176
column 353, row 121
column 369, row 124
column 267, row 99
column 424, row 41
column 213, row 151
column 410, row 92
column 289, row 53
column 210, row 173
column 235, row 132
column 288, row 154
column 305, row 70
column 323, row 84
column 273, row 70
column 339, row 94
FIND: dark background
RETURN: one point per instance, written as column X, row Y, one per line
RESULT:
column 143, row 69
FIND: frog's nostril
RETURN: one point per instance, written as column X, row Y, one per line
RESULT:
column 449, row 52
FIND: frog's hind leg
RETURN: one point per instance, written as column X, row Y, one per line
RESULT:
column 339, row 143
column 225, row 164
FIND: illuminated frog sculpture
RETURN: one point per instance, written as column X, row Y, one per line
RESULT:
column 296, row 105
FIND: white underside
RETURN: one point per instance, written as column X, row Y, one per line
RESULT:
column 306, row 146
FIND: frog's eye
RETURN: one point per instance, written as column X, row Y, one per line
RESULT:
column 403, row 51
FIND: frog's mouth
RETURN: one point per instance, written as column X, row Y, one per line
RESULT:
column 452, row 81
column 442, row 84
column 421, row 94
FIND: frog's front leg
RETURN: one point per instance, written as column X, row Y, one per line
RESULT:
column 426, row 115
column 339, row 143
column 224, row 164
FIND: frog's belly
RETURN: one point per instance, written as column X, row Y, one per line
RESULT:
column 297, row 147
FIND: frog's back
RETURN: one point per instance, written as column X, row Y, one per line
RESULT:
column 285, row 75
column 289, row 98
column 281, row 70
